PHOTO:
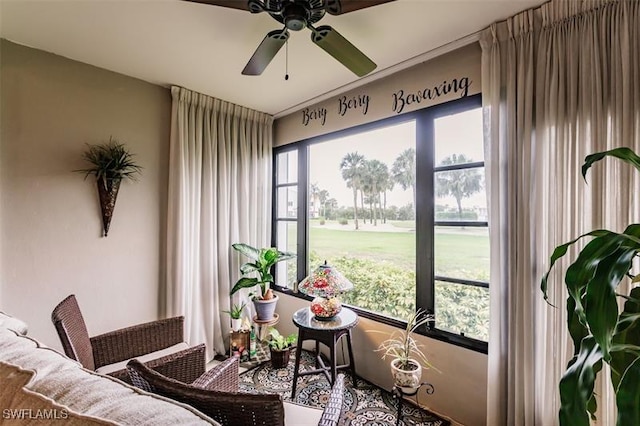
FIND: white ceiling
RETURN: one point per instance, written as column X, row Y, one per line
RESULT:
column 204, row 47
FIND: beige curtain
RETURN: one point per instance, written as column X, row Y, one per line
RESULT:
column 559, row 82
column 219, row 194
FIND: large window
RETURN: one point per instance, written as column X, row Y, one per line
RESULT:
column 399, row 207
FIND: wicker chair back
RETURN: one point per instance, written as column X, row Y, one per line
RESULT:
column 72, row 331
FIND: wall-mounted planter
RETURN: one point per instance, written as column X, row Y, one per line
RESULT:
column 110, row 162
column 108, row 192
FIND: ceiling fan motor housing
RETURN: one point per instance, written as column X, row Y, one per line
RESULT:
column 296, row 14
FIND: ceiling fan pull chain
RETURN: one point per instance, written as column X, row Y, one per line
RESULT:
column 286, row 60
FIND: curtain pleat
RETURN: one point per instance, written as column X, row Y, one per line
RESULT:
column 559, row 82
column 219, row 194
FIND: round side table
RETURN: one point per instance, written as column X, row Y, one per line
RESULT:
column 327, row 333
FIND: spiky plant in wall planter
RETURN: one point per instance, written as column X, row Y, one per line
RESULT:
column 110, row 163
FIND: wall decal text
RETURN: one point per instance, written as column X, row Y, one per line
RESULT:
column 402, row 99
column 312, row 114
column 359, row 101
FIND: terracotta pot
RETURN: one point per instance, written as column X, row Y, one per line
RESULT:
column 408, row 380
column 108, row 192
column 280, row 359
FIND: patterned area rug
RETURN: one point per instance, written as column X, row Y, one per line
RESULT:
column 364, row 404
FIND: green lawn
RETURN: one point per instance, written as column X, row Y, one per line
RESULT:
column 459, row 252
column 394, row 247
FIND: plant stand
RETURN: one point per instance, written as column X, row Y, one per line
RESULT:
column 400, row 394
column 263, row 326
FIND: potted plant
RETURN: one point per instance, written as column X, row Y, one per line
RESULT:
column 407, row 358
column 261, row 264
column 236, row 316
column 110, row 163
column 600, row 333
column 280, row 348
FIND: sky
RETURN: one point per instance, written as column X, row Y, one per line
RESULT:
column 455, row 134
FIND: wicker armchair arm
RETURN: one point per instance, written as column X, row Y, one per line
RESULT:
column 224, row 377
column 333, row 409
column 130, row 342
column 227, row 408
column 184, row 366
column 238, row 409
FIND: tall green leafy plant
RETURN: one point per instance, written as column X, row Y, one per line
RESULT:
column 601, row 333
column 261, row 262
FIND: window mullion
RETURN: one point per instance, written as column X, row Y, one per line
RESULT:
column 424, row 213
column 303, row 217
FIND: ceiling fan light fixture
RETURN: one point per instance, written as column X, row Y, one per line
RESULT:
column 295, row 16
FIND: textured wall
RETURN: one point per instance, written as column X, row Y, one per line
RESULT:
column 50, row 222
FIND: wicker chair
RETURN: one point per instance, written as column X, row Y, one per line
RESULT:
column 160, row 344
column 215, row 393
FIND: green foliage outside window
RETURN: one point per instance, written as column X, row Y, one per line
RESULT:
column 387, row 289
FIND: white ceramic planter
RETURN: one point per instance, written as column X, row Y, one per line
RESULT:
column 236, row 324
column 407, row 380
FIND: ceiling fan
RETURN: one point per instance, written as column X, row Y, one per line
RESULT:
column 299, row 14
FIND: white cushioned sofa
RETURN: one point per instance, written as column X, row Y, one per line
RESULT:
column 39, row 383
column 36, row 382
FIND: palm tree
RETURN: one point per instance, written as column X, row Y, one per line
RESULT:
column 351, row 166
column 458, row 183
column 313, row 197
column 323, row 196
column 332, row 205
column 403, row 171
column 376, row 172
column 388, row 186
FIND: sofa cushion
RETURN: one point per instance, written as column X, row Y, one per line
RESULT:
column 28, row 407
column 108, row 369
column 68, row 384
column 7, row 321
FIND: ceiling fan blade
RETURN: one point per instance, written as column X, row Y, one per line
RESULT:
column 267, row 50
column 233, row 4
column 338, row 7
column 342, row 50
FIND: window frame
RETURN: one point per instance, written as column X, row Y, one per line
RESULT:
column 424, row 211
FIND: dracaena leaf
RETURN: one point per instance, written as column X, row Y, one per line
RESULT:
column 627, row 334
column 577, row 330
column 628, row 396
column 625, row 154
column 576, row 385
column 601, row 307
column 560, row 251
